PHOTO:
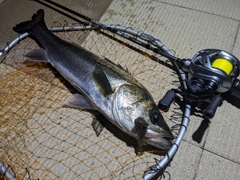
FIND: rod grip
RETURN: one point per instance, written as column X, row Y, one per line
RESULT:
column 212, row 107
column 167, row 100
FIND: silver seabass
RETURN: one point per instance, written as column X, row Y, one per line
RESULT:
column 104, row 86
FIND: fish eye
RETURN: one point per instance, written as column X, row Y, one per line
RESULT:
column 155, row 118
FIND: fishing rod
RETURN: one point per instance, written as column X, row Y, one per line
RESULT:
column 119, row 30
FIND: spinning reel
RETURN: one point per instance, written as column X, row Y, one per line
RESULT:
column 210, row 73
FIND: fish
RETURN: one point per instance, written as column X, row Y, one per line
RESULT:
column 103, row 86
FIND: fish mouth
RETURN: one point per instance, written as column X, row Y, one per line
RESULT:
column 161, row 139
column 156, row 132
column 161, row 143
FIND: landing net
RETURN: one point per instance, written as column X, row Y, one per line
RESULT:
column 41, row 138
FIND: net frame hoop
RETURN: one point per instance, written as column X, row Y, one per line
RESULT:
column 141, row 39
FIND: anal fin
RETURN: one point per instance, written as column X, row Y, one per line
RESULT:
column 37, row 55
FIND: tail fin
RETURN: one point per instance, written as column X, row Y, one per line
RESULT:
column 37, row 19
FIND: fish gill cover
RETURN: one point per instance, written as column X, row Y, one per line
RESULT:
column 42, row 138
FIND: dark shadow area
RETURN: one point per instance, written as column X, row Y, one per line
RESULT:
column 233, row 100
column 130, row 141
column 196, row 110
column 199, row 133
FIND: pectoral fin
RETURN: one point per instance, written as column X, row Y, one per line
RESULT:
column 101, row 81
column 38, row 55
column 78, row 101
column 141, row 126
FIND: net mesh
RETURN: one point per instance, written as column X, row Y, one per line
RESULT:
column 42, row 138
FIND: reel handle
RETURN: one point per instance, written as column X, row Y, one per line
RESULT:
column 167, row 100
column 212, row 107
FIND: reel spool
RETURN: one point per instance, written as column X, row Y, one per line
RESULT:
column 223, row 64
